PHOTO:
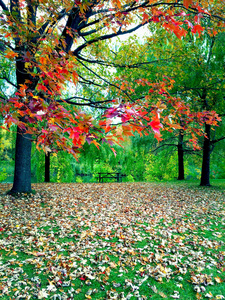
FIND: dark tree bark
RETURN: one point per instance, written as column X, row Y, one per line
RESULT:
column 47, row 167
column 22, row 173
column 180, row 155
column 206, row 158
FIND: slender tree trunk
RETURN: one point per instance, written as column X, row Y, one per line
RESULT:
column 47, row 167
column 180, row 156
column 22, row 173
column 206, row 158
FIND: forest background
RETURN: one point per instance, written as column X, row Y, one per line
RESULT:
column 195, row 65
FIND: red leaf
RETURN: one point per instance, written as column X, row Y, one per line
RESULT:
column 197, row 28
column 145, row 18
column 83, row 278
column 42, row 87
column 155, row 124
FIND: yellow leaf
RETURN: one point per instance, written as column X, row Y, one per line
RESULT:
column 113, row 264
column 27, row 65
column 162, row 294
column 218, row 279
column 159, row 279
column 107, row 270
column 114, row 30
column 83, row 234
column 198, row 296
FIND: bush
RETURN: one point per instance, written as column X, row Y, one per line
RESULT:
column 79, row 179
column 3, row 175
column 102, row 168
column 130, row 178
column 160, row 167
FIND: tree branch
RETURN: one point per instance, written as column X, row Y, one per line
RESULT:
column 103, row 79
column 131, row 66
column 5, row 78
column 106, row 37
column 61, row 15
column 4, row 7
column 88, row 103
column 160, row 146
column 217, row 140
column 86, row 81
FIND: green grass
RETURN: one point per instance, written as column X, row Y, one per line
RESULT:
column 114, row 241
column 215, row 183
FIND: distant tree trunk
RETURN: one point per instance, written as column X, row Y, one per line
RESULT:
column 206, row 158
column 22, row 172
column 47, row 167
column 180, row 155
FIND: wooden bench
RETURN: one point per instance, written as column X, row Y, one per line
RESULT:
column 116, row 175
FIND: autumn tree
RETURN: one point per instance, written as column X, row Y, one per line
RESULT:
column 50, row 43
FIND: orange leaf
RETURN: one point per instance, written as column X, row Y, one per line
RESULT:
column 11, row 54
column 75, row 77
column 114, row 151
column 187, row 3
column 96, row 144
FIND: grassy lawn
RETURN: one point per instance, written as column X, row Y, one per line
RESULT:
column 113, row 241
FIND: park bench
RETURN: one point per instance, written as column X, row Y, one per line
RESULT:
column 115, row 175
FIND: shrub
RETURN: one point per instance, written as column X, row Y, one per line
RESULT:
column 79, row 179
column 3, row 175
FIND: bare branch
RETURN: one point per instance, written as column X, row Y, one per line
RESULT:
column 86, row 81
column 88, row 103
column 164, row 145
column 106, row 37
column 3, row 99
column 10, row 82
column 4, row 7
column 217, row 140
column 103, row 79
column 90, row 31
column 89, row 100
column 61, row 15
column 131, row 66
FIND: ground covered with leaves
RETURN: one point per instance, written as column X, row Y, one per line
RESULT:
column 113, row 241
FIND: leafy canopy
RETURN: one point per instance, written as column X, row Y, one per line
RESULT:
column 53, row 44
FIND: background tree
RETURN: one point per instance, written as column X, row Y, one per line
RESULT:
column 196, row 65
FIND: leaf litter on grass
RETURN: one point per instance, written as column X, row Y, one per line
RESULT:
column 112, row 241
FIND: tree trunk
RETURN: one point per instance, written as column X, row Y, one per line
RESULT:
column 206, row 158
column 22, row 172
column 180, row 156
column 47, row 167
